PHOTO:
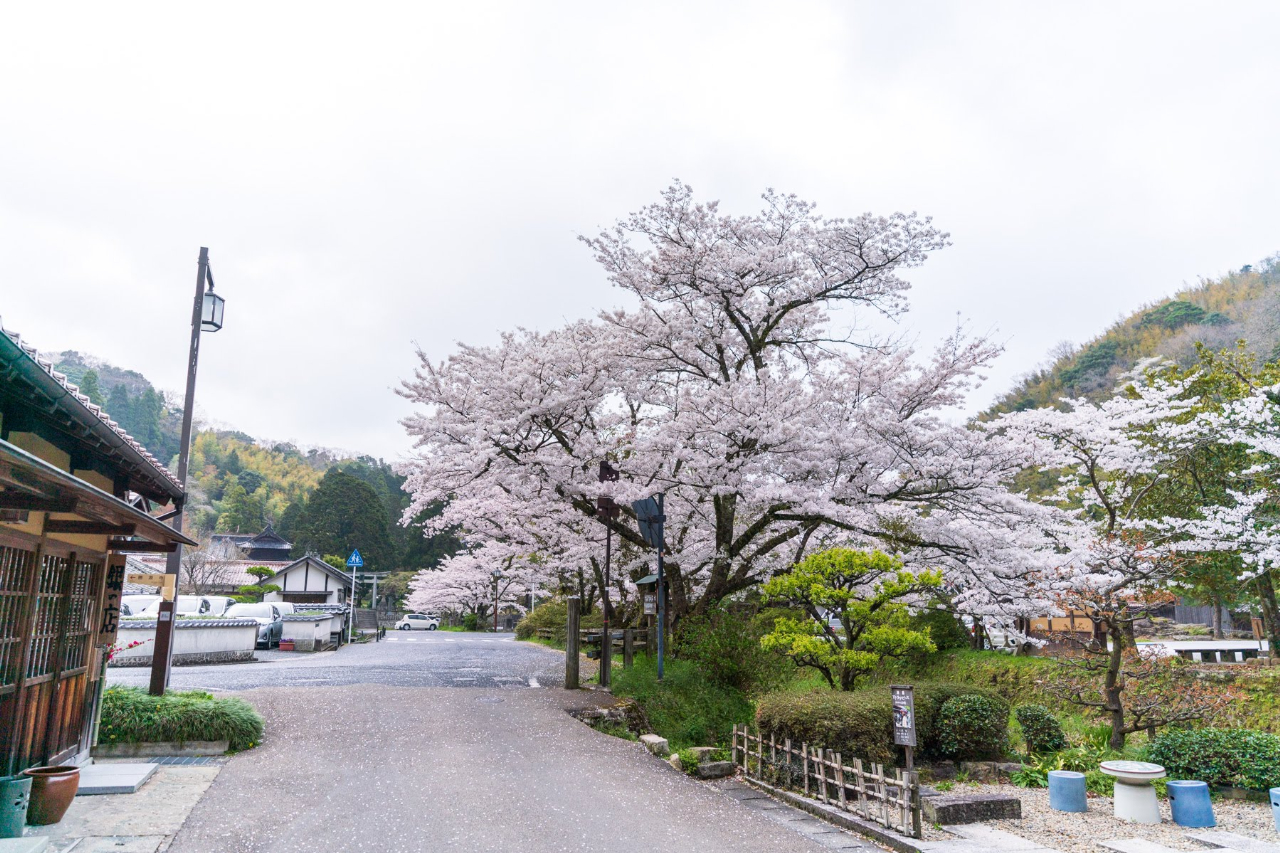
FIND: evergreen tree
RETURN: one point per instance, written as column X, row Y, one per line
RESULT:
column 232, row 463
column 241, row 512
column 345, row 513
column 119, row 406
column 89, row 387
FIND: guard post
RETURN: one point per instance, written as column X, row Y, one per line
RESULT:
column 571, row 645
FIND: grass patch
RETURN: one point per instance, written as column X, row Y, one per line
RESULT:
column 684, row 708
column 131, row 715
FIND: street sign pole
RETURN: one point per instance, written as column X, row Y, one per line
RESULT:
column 354, row 562
column 662, row 591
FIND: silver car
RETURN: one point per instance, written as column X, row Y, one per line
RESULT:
column 267, row 615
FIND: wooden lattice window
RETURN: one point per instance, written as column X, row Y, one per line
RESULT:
column 15, row 579
column 44, row 630
column 80, row 612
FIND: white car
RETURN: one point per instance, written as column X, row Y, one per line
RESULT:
column 418, row 622
column 184, row 605
column 133, row 605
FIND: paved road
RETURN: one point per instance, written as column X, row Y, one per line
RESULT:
column 390, row 769
column 458, row 742
column 405, row 659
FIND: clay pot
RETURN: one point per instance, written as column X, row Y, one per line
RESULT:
column 52, row 790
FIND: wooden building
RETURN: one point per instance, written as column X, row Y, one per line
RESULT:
column 310, row 580
column 76, row 494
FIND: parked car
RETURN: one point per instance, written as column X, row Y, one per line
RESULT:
column 286, row 607
column 267, row 614
column 418, row 622
column 218, row 604
column 184, row 605
column 133, row 605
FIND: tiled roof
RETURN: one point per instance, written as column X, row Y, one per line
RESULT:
column 237, row 570
column 74, row 390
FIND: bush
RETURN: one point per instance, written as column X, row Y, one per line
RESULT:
column 726, row 648
column 554, row 615
column 859, row 724
column 684, row 707
column 946, row 631
column 973, row 727
column 1240, row 758
column 1040, row 729
column 131, row 715
column 471, row 622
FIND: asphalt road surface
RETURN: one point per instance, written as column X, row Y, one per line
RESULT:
column 403, row 658
column 447, row 742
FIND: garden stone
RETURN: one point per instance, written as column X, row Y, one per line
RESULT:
column 702, row 753
column 943, row 769
column 1008, row 768
column 952, row 809
column 715, row 769
column 979, row 771
column 655, row 744
column 674, row 761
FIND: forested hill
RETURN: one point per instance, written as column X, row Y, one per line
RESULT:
column 1242, row 305
column 239, row 484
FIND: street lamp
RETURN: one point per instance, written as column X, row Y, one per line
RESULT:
column 206, row 316
column 497, row 574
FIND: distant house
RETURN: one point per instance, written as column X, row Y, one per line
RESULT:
column 266, row 547
column 310, row 581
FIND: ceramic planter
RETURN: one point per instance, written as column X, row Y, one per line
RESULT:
column 15, row 795
column 52, row 790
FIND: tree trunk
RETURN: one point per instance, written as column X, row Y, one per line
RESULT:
column 1216, row 601
column 1266, row 590
column 1112, row 687
column 975, row 640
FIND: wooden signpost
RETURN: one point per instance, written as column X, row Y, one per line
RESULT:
column 904, row 719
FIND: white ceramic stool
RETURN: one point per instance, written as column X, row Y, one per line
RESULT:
column 1135, row 798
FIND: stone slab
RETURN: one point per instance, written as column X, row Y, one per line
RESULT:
column 716, row 769
column 1233, row 841
column 118, row 844
column 1134, row 845
column 656, row 744
column 34, row 844
column 157, row 748
column 113, row 778
column 953, row 809
column 991, row 838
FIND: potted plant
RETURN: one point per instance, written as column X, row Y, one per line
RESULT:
column 286, row 645
column 52, row 790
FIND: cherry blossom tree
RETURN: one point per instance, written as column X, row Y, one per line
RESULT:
column 737, row 383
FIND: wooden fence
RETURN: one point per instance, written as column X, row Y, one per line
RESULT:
column 889, row 797
column 628, row 641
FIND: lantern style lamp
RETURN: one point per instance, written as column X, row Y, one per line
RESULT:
column 211, row 310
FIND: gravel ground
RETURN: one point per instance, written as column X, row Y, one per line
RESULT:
column 1079, row 833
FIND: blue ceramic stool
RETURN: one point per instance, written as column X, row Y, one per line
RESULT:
column 1189, row 802
column 1275, row 807
column 1066, row 791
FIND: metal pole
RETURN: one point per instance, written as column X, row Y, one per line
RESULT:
column 351, row 629
column 495, row 605
column 162, row 653
column 662, row 586
column 377, row 628
column 606, row 642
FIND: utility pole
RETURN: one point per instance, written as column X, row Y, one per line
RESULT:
column 609, row 510
column 202, row 316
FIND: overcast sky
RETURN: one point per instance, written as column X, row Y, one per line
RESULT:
column 371, row 175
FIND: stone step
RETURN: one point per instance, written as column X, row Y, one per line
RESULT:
column 113, row 778
column 1233, row 841
column 31, row 844
column 1134, row 845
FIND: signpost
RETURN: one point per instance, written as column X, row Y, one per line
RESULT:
column 904, row 719
column 354, row 562
column 649, row 514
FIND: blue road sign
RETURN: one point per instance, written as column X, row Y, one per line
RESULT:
column 355, row 561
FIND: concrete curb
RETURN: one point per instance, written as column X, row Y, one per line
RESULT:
column 844, row 820
column 154, row 748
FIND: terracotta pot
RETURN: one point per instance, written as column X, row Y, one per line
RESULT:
column 52, row 790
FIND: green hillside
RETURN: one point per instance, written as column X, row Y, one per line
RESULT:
column 239, row 484
column 1242, row 305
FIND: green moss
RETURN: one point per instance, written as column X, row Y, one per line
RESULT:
column 131, row 715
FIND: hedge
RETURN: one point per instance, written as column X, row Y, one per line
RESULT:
column 859, row 724
column 131, row 715
column 1239, row 758
column 972, row 728
column 1040, row 729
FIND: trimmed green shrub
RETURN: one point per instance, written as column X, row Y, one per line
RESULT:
column 973, row 727
column 1040, row 729
column 946, row 631
column 726, row 648
column 1240, row 758
column 131, row 715
column 859, row 724
column 554, row 615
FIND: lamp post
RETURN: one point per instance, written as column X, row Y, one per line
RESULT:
column 650, row 515
column 206, row 316
column 497, row 574
column 608, row 510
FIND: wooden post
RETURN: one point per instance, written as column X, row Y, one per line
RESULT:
column 861, row 783
column 760, row 755
column 804, row 747
column 840, row 780
column 571, row 645
column 822, row 773
column 786, row 745
column 628, row 647
column 913, row 779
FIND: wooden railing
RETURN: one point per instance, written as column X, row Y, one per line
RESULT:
column 889, row 797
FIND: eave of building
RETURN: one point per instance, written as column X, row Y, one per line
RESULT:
column 41, row 393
